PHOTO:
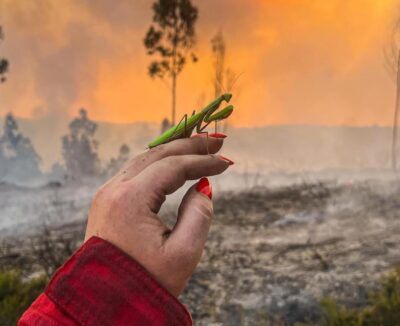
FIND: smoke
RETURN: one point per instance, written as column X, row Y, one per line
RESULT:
column 309, row 62
column 57, row 48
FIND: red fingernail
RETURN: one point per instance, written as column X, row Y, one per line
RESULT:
column 226, row 159
column 204, row 187
column 218, row 135
column 214, row 135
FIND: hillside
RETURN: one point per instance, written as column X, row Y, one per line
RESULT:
column 270, row 148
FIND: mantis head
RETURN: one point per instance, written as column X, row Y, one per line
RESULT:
column 226, row 97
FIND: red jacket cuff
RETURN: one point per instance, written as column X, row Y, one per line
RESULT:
column 101, row 285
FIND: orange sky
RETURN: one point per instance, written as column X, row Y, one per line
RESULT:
column 303, row 62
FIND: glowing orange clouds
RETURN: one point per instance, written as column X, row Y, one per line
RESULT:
column 313, row 62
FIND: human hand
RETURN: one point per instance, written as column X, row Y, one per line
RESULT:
column 124, row 210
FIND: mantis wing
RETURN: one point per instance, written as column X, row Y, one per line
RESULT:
column 183, row 129
column 187, row 125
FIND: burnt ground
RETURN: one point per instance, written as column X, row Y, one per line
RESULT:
column 272, row 253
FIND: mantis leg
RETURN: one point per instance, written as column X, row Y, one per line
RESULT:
column 192, row 128
column 184, row 118
column 186, row 129
column 187, row 132
column 200, row 131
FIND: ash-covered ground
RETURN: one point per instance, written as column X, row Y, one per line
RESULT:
column 276, row 253
column 276, row 247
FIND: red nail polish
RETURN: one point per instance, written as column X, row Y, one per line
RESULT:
column 218, row 135
column 214, row 135
column 204, row 187
column 226, row 159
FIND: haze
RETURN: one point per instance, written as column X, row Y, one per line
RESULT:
column 303, row 62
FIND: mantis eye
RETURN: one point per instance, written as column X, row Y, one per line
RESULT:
column 227, row 97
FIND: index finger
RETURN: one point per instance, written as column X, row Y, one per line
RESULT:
column 186, row 146
column 169, row 174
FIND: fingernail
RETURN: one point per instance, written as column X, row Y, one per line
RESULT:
column 226, row 159
column 218, row 135
column 214, row 135
column 204, row 187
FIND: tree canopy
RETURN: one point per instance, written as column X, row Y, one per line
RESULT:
column 171, row 37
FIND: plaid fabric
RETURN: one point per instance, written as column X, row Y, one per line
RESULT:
column 101, row 285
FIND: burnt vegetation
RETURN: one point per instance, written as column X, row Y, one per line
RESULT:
column 272, row 255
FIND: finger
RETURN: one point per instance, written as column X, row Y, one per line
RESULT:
column 189, row 235
column 169, row 174
column 187, row 146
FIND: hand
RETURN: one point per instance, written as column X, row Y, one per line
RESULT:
column 124, row 210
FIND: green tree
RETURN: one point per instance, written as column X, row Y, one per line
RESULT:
column 171, row 37
column 3, row 62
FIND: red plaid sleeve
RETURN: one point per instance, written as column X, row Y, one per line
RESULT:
column 101, row 285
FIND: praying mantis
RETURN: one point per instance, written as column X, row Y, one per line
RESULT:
column 187, row 124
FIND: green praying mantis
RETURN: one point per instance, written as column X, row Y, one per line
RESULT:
column 187, row 124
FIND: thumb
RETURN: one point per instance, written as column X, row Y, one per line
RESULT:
column 194, row 219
